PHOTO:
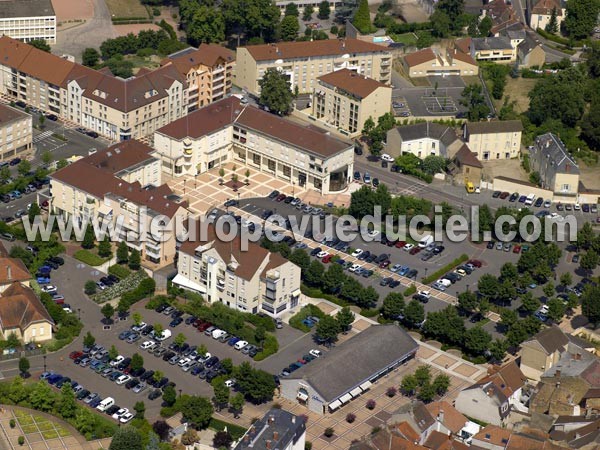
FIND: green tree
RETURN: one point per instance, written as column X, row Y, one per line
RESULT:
column 197, row 411
column 34, row 211
column 260, row 334
column 549, row 290
column 90, row 57
column 137, row 318
column 137, row 361
column 426, row 393
column 454, row 10
column 122, row 253
column 220, row 392
column 566, row 279
column 328, row 329
column 42, row 397
column 169, row 395
column 556, row 309
column 472, row 98
column 140, row 409
column 158, row 329
column 291, row 9
column 105, row 247
column 108, row 311
column 477, row 340
column 433, row 164
column 40, row 44
column 498, row 349
column 423, row 375
column 508, row 317
column 441, row 383
column 289, row 28
column 89, row 340
column 24, row 167
column 222, row 439
column 257, row 385
column 409, row 385
column 308, row 12
column 24, row 366
column 127, row 438
column 345, row 318
column 62, row 163
column 529, row 302
column 237, row 404
column 508, row 272
column 324, row 10
column 440, row 24
column 17, row 392
column 206, row 25
column 485, row 26
column 88, row 237
column 414, row 313
column 362, row 18
column 314, row 275
column 134, row 260
column 589, row 261
column 393, row 305
column 180, row 339
column 113, row 352
column 590, row 303
column 488, row 285
column 552, row 25
column 275, row 92
column 581, row 18
column 468, row 301
column 4, row 174
column 68, row 403
column 333, row 278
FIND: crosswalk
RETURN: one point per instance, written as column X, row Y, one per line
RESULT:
column 40, row 137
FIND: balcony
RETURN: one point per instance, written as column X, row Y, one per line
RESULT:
column 220, row 284
column 152, row 252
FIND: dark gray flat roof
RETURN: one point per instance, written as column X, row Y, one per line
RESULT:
column 25, row 8
column 356, row 360
column 277, row 430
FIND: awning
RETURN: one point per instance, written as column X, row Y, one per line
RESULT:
column 356, row 392
column 104, row 209
column 345, row 398
column 302, row 396
column 366, row 385
column 296, row 293
column 184, row 282
column 334, row 405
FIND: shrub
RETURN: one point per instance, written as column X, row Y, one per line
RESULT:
column 89, row 258
column 328, row 432
column 371, row 404
column 155, row 12
column 21, row 440
column 119, row 271
column 270, row 347
column 412, row 289
column 12, row 423
column 447, row 268
column 127, row 288
column 90, row 287
column 350, row 418
column 391, row 391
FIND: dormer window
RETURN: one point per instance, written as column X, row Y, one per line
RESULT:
column 99, row 93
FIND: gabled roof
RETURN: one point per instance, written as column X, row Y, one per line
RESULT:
column 13, row 269
column 19, row 308
column 448, row 415
column 494, row 126
column 551, row 339
column 507, row 378
column 121, row 156
column 352, row 82
column 9, row 114
column 305, row 49
column 466, row 157
column 491, row 43
column 426, row 130
column 420, row 57
column 550, row 146
column 208, row 55
column 545, row 8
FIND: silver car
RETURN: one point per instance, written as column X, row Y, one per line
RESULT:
column 139, row 387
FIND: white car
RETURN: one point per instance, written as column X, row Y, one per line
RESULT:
column 49, row 288
column 322, row 254
column 203, row 358
column 126, row 417
column 117, row 361
column 240, row 345
column 356, row 253
column 386, row 157
column 373, row 233
column 555, row 216
column 544, row 309
column 123, row 379
column 230, row 383
column 67, row 310
column 183, row 361
column 408, row 247
column 395, row 268
column 425, row 293
column 316, row 353
column 444, row 282
column 576, row 207
column 146, row 345
column 120, row 412
column 140, row 327
column 354, row 267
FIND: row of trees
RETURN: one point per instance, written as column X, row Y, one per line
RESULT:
column 421, row 384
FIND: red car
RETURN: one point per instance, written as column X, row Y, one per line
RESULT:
column 326, row 259
column 504, row 195
column 204, row 326
column 280, row 197
column 399, row 244
column 384, row 264
column 414, row 250
column 517, row 249
column 75, row 355
column 475, row 263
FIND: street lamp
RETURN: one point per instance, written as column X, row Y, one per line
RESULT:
column 425, row 272
column 44, row 363
column 79, row 313
column 467, row 288
column 196, row 181
column 179, row 393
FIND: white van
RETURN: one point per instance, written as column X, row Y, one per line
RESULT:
column 444, row 282
column 240, row 345
column 530, row 199
column 105, row 404
column 166, row 334
column 216, row 334
column 427, row 240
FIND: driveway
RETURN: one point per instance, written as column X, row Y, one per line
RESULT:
column 92, row 33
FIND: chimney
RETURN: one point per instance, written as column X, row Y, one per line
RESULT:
column 548, row 143
column 268, row 444
column 577, row 356
column 275, row 435
column 441, row 416
column 567, row 167
column 557, row 374
column 271, row 419
column 293, row 419
column 8, row 273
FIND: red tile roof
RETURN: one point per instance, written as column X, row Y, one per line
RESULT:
column 9, row 114
column 208, row 55
column 352, row 82
column 420, row 57
column 453, row 419
column 121, row 156
column 19, row 308
column 545, row 7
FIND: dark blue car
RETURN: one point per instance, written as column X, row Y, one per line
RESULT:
column 95, row 402
column 53, row 379
column 233, row 341
column 124, row 335
column 176, row 321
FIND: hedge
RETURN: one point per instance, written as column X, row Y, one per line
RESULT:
column 235, row 430
column 412, row 289
column 318, row 293
column 444, row 270
column 270, row 347
column 308, row 310
column 120, row 271
column 89, row 258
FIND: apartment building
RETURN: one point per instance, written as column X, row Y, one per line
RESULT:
column 498, row 49
column 345, row 100
column 541, row 13
column 121, row 183
column 28, row 20
column 208, row 71
column 253, row 280
column 114, row 107
column 422, row 140
column 333, row 4
column 15, row 134
column 303, row 62
column 497, row 139
column 227, row 130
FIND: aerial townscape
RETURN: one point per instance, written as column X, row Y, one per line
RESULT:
column 296, row 225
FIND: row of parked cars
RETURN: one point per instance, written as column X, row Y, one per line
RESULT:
column 29, row 189
column 296, row 203
column 43, row 278
column 305, row 359
column 456, row 275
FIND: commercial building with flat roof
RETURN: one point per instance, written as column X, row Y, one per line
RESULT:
column 303, row 62
column 227, row 130
column 348, row 370
column 15, row 133
column 28, row 20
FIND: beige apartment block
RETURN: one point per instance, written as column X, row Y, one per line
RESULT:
column 558, row 170
column 346, row 100
column 121, row 183
column 541, row 13
column 498, row 49
column 251, row 280
column 303, row 62
column 28, row 20
column 208, row 71
column 229, row 131
column 428, row 62
column 15, row 134
column 497, row 139
column 333, row 4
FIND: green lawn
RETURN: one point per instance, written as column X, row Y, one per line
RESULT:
column 89, row 258
column 126, row 8
column 406, row 38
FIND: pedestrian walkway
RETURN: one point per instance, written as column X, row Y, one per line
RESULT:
column 42, row 136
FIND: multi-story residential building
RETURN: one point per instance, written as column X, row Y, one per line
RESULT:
column 208, row 71
column 558, row 170
column 540, row 13
column 496, row 49
column 497, row 139
column 252, row 280
column 427, row 62
column 278, row 429
column 303, row 62
column 15, row 133
column 422, row 140
column 114, row 107
column 227, row 130
column 28, row 20
column 333, row 4
column 345, row 100
column 121, row 185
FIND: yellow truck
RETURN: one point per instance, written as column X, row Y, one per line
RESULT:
column 470, row 187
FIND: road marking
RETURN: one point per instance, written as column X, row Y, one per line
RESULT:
column 42, row 136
